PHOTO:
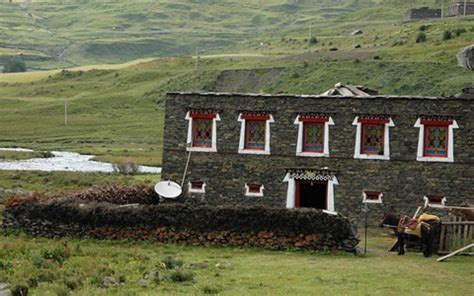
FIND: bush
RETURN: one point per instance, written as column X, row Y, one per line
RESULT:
column 180, row 276
column 421, row 37
column 211, row 290
column 447, row 35
column 171, row 263
column 459, row 31
column 5, row 265
column 423, row 27
column 20, row 290
column 57, row 255
column 313, row 40
column 13, row 64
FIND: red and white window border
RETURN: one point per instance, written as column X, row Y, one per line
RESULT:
column 189, row 140
column 368, row 197
column 421, row 123
column 435, row 201
column 192, row 188
column 358, row 122
column 250, row 192
column 268, row 118
column 300, row 121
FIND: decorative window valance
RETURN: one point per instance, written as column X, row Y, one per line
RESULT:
column 193, row 112
column 311, row 116
column 311, row 174
column 436, row 119
column 374, row 118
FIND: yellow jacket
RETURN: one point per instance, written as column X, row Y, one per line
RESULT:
column 422, row 219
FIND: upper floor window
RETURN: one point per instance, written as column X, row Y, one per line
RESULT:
column 435, row 141
column 372, row 137
column 313, row 134
column 202, row 130
column 255, row 132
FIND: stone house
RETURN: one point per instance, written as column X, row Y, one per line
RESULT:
column 321, row 151
column 457, row 9
column 422, row 13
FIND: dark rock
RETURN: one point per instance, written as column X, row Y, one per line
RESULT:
column 466, row 57
column 109, row 281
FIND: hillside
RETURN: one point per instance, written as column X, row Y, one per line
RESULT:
column 66, row 33
column 116, row 111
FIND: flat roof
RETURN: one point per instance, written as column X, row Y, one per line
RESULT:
column 301, row 96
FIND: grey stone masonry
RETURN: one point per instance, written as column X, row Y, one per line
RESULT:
column 422, row 13
column 457, row 9
column 403, row 180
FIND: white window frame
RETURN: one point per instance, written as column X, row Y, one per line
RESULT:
column 432, row 205
column 375, row 201
column 192, row 190
column 386, row 147
column 290, row 194
column 299, row 143
column 243, row 125
column 420, row 156
column 257, row 194
column 189, row 139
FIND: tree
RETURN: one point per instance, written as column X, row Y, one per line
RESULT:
column 13, row 64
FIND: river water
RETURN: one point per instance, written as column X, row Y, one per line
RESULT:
column 64, row 161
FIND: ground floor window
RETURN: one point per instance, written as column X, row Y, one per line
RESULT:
column 197, row 187
column 254, row 189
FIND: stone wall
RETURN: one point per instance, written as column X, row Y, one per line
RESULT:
column 422, row 13
column 457, row 9
column 403, row 180
column 181, row 223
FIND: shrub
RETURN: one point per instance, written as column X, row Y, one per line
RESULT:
column 13, row 64
column 72, row 283
column 423, row 27
column 459, row 31
column 40, row 262
column 447, row 35
column 33, row 281
column 57, row 255
column 211, row 290
column 20, row 290
column 5, row 265
column 313, row 40
column 421, row 37
column 180, row 276
column 171, row 263
column 46, row 275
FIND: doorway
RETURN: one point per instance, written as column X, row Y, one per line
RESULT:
column 311, row 194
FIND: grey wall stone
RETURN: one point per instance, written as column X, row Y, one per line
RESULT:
column 403, row 180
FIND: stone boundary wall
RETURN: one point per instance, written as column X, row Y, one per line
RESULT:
column 182, row 223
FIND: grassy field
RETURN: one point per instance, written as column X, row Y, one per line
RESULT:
column 224, row 271
column 57, row 34
column 16, row 155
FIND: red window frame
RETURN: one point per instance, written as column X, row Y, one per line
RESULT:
column 195, row 118
column 440, row 124
column 197, row 185
column 372, row 195
column 372, row 122
column 252, row 119
column 254, row 187
column 318, row 121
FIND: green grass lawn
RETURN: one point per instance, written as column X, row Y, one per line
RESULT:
column 227, row 271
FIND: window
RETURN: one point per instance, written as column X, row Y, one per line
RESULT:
column 372, row 197
column 197, row 187
column 372, row 137
column 435, row 142
column 435, row 201
column 254, row 189
column 313, row 140
column 313, row 135
column 202, row 130
column 255, row 132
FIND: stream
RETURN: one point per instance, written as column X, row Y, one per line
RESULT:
column 64, row 161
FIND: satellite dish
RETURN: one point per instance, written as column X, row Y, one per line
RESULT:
column 168, row 189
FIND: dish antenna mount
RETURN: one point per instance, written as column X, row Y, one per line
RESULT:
column 172, row 190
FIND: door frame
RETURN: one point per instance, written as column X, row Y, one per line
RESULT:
column 297, row 191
